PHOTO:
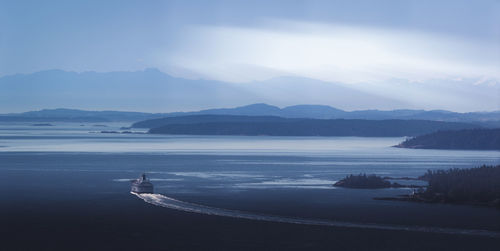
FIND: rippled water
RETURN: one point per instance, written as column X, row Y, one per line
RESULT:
column 171, row 203
column 286, row 176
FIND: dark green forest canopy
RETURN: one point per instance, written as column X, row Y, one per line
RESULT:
column 472, row 139
column 277, row 126
column 363, row 181
column 481, row 185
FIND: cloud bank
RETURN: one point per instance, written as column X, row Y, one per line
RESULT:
column 335, row 53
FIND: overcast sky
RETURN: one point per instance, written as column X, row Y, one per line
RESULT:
column 418, row 48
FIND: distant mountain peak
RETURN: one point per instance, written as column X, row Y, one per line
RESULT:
column 322, row 107
column 152, row 69
column 153, row 90
column 258, row 105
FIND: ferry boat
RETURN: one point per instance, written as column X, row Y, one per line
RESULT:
column 141, row 185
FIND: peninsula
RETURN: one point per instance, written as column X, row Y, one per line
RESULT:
column 278, row 126
column 466, row 139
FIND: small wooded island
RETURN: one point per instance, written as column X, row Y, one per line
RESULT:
column 365, row 181
column 43, row 124
column 476, row 186
column 468, row 139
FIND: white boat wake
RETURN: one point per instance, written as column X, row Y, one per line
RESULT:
column 171, row 203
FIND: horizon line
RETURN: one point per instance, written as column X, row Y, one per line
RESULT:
column 235, row 107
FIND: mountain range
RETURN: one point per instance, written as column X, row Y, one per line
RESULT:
column 328, row 112
column 151, row 90
column 488, row 119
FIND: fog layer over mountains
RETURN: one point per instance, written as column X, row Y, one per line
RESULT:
column 154, row 91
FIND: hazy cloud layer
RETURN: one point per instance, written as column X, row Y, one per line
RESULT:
column 401, row 54
column 328, row 52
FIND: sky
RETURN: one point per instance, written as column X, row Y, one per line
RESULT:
column 390, row 48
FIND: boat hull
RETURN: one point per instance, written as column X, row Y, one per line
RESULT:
column 142, row 188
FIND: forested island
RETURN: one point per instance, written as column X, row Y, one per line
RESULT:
column 278, row 126
column 466, row 139
column 42, row 124
column 365, row 181
column 476, row 186
column 465, row 186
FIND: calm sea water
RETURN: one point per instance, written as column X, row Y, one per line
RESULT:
column 290, row 176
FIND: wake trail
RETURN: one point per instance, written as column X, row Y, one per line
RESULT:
column 171, row 203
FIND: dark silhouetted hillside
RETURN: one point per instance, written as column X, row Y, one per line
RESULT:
column 276, row 126
column 363, row 181
column 483, row 119
column 473, row 139
column 197, row 119
column 472, row 185
column 487, row 119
